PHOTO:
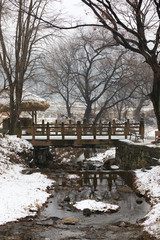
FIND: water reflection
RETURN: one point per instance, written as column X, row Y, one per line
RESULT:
column 109, row 180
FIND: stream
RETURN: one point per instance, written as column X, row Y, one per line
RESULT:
column 60, row 220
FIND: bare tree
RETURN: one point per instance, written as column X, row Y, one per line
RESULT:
column 144, row 79
column 17, row 48
column 99, row 78
column 135, row 25
column 88, row 69
column 142, row 76
column 58, row 66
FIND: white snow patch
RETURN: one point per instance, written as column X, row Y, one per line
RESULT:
column 73, row 176
column 20, row 195
column 148, row 183
column 66, row 160
column 96, row 206
column 114, row 167
column 15, row 144
column 150, row 132
column 100, row 157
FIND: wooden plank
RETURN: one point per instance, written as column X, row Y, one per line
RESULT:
column 62, row 130
column 33, row 132
column 109, row 130
column 79, row 132
column 48, row 131
column 94, row 131
column 114, row 127
column 19, row 129
column 43, row 128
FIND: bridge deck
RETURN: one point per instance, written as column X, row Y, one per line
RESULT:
column 86, row 141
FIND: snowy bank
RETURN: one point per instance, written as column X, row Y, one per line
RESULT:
column 20, row 195
column 148, row 184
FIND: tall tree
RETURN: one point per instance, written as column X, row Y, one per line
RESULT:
column 90, row 70
column 136, row 26
column 58, row 66
column 141, row 75
column 17, row 47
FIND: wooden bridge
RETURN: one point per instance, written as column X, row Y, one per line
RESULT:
column 80, row 134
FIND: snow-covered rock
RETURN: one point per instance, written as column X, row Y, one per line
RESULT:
column 96, row 206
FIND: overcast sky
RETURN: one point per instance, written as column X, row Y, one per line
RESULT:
column 77, row 9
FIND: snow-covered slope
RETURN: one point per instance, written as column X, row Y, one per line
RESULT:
column 20, row 195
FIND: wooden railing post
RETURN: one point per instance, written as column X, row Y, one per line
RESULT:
column 114, row 127
column 94, row 130
column 62, row 130
column 33, row 131
column 48, row 131
column 79, row 132
column 85, row 125
column 56, row 127
column 141, row 128
column 128, row 125
column 43, row 129
column 19, row 129
column 70, row 127
column 109, row 130
column 100, row 127
column 126, row 130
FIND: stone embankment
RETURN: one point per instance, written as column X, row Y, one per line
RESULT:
column 131, row 155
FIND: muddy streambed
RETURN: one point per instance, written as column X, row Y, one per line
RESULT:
column 60, row 220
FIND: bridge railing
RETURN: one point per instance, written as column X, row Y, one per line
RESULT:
column 81, row 129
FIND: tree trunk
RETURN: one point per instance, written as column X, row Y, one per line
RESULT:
column 13, row 121
column 137, row 111
column 15, row 109
column 155, row 97
column 87, row 113
column 119, row 111
column 69, row 115
column 99, row 114
column 119, row 115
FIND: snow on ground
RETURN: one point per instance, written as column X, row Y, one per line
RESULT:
column 150, row 132
column 100, row 157
column 96, row 206
column 72, row 176
column 12, row 143
column 20, row 195
column 148, row 184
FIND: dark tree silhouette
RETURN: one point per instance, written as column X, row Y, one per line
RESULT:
column 136, row 26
